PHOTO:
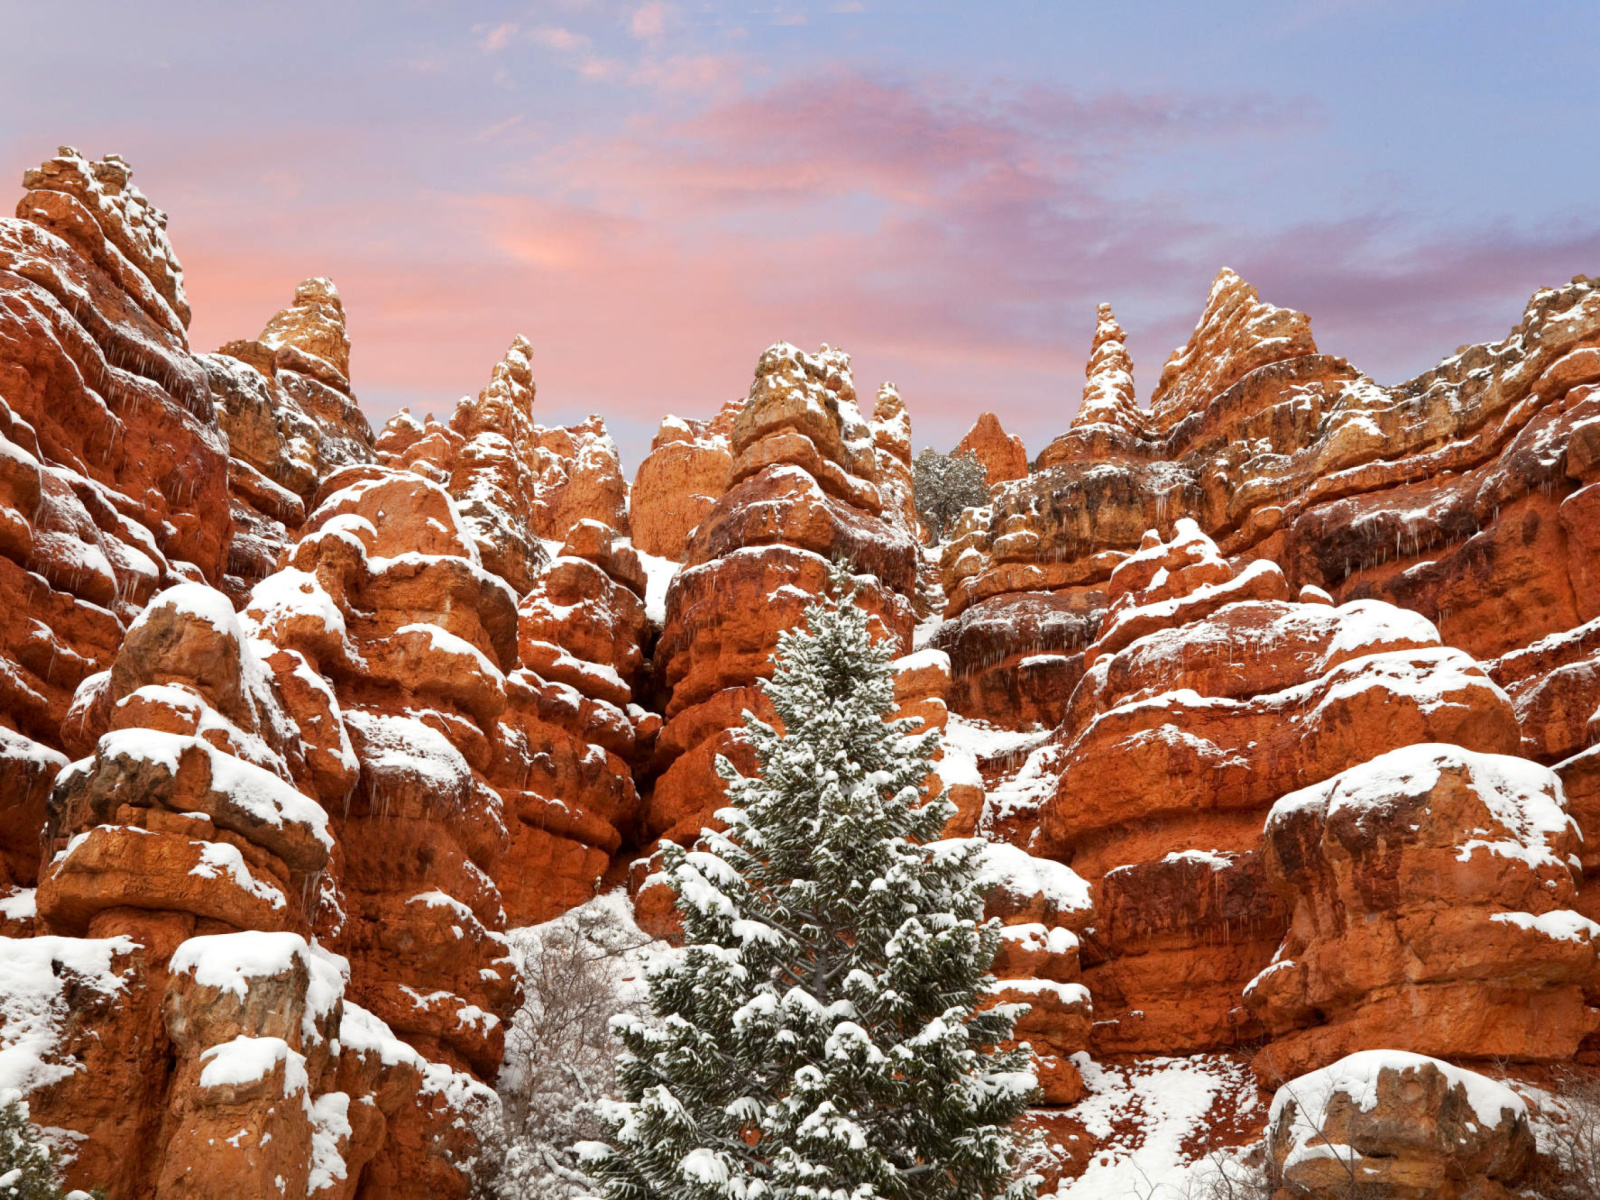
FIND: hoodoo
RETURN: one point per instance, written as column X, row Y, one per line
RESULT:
column 1274, row 705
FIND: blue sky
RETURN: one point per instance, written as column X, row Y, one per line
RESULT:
column 653, row 192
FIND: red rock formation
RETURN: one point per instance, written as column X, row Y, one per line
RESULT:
column 284, row 400
column 112, row 471
column 1016, row 659
column 891, row 435
column 1236, row 334
column 1207, row 695
column 1554, row 685
column 1410, row 494
column 277, row 871
column 514, row 481
column 684, row 474
column 1387, row 1123
column 1432, row 891
column 1267, row 443
column 1108, row 396
column 189, row 854
column 1043, row 908
column 386, row 597
column 210, row 757
column 1063, row 610
column 1001, row 454
column 581, row 635
column 804, row 490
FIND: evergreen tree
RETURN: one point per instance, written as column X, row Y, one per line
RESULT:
column 27, row 1170
column 944, row 486
column 818, row 1034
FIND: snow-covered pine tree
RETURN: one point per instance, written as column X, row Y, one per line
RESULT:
column 818, row 1035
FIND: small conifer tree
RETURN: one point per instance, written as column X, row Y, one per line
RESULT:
column 944, row 486
column 27, row 1170
column 819, row 1035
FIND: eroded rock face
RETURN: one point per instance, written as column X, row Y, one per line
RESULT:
column 1206, row 695
column 217, row 784
column 279, row 1077
column 1002, row 455
column 1237, row 333
column 680, row 479
column 804, row 490
column 582, row 632
column 295, row 722
column 285, row 402
column 1415, row 494
column 386, row 597
column 1043, row 908
column 1432, row 891
column 191, row 856
column 514, row 481
column 891, row 435
column 112, row 470
column 1386, row 1123
column 1108, row 395
column 189, row 800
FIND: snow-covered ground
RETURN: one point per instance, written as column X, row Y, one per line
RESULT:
column 1157, row 1122
column 979, row 739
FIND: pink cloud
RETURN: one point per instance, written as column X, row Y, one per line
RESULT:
column 955, row 240
column 649, row 21
column 688, row 74
column 497, row 38
column 555, row 38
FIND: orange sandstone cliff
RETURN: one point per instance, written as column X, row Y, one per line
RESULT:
column 1278, row 702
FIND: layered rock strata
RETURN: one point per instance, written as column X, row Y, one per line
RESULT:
column 284, row 400
column 1206, row 695
column 1432, row 893
column 680, row 480
column 112, row 468
column 1043, row 909
column 1415, row 494
column 296, row 722
column 190, row 855
column 803, row 492
column 1386, row 1123
column 215, row 891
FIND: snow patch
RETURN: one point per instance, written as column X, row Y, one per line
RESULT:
column 249, row 1059
column 1143, row 1114
column 35, row 977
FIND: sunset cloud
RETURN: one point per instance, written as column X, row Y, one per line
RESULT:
column 649, row 21
column 552, row 37
column 498, row 38
column 653, row 195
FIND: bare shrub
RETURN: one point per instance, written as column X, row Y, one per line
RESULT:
column 1568, row 1129
column 578, row 971
column 1233, row 1175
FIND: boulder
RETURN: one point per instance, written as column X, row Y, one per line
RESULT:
column 1432, row 893
column 1398, row 1126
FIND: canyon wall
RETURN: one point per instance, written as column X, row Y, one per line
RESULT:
column 1278, row 702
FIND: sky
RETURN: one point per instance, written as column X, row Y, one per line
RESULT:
column 653, row 192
